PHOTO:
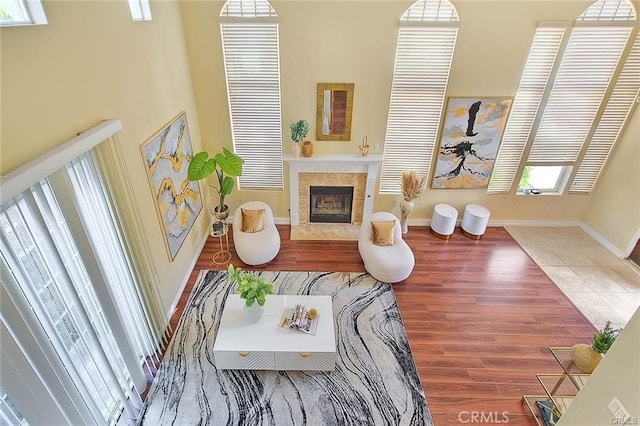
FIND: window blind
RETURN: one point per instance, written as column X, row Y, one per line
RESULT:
column 542, row 56
column 615, row 115
column 38, row 246
column 252, row 69
column 108, row 245
column 585, row 72
column 70, row 272
column 421, row 72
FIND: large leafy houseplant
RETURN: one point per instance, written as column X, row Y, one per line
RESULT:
column 225, row 164
column 252, row 288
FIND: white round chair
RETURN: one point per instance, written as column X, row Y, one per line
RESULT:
column 443, row 221
column 256, row 248
column 391, row 264
column 474, row 221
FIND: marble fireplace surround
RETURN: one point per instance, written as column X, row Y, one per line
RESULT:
column 331, row 170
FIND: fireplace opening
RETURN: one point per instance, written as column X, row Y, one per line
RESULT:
column 330, row 204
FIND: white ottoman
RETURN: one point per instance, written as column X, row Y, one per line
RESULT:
column 474, row 221
column 443, row 221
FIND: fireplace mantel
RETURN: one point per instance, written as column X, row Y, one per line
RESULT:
column 332, row 163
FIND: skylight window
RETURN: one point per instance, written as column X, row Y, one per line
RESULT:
column 21, row 12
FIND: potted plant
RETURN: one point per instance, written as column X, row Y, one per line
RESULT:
column 587, row 357
column 225, row 164
column 412, row 187
column 299, row 131
column 253, row 289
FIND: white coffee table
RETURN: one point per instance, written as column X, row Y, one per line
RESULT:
column 265, row 345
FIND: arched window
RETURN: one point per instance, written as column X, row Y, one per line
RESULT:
column 575, row 95
column 426, row 41
column 252, row 67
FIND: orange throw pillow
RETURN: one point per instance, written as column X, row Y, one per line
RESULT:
column 252, row 220
column 383, row 233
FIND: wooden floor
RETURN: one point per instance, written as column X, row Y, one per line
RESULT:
column 480, row 316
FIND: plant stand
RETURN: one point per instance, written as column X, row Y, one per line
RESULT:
column 222, row 256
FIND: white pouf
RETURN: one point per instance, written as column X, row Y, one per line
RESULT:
column 474, row 221
column 443, row 221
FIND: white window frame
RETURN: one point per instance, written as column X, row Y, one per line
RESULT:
column 557, row 189
column 34, row 11
column 140, row 10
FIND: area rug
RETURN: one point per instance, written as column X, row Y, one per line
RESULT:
column 375, row 381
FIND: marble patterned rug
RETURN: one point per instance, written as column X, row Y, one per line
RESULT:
column 375, row 381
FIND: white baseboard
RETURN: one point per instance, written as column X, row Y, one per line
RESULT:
column 546, row 223
column 186, row 278
column 603, row 241
column 632, row 244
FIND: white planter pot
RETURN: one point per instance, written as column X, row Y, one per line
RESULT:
column 406, row 208
column 296, row 149
column 253, row 313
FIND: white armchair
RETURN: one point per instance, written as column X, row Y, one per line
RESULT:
column 392, row 263
column 256, row 248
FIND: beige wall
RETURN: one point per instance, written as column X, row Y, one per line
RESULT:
column 617, row 376
column 355, row 42
column 90, row 63
column 614, row 211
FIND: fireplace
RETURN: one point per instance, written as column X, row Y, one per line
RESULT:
column 330, row 204
column 343, row 170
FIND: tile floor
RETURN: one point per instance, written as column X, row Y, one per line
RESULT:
column 602, row 286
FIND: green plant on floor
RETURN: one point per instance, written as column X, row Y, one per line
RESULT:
column 604, row 338
column 225, row 162
column 252, row 288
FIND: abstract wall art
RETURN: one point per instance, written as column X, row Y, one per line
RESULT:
column 178, row 201
column 469, row 141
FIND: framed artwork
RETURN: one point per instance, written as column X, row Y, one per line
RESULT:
column 334, row 108
column 178, row 201
column 470, row 137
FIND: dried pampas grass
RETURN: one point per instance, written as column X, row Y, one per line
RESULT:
column 412, row 186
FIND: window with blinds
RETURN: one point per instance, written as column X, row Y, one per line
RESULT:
column 70, row 273
column 581, row 99
column 252, row 69
column 426, row 41
column 533, row 84
column 40, row 250
column 611, row 123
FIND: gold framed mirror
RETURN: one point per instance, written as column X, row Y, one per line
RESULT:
column 333, row 111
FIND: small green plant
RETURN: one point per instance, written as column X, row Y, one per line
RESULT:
column 604, row 338
column 299, row 130
column 252, row 289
